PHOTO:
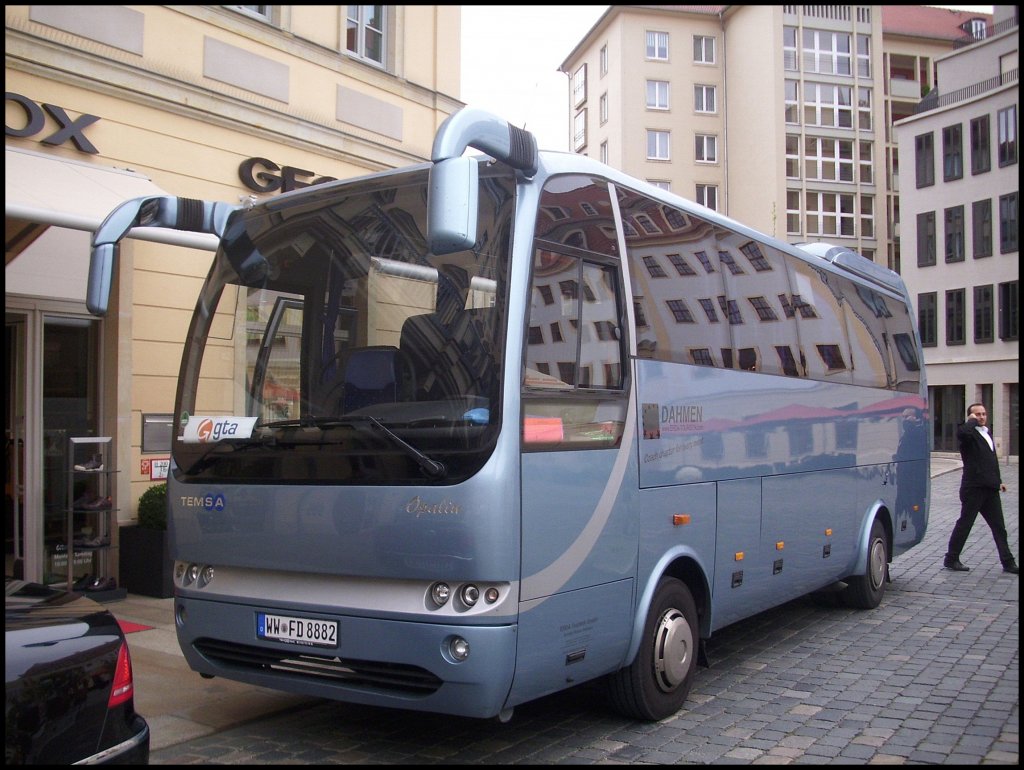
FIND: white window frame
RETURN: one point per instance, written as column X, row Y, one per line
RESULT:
column 828, row 160
column 657, row 94
column 664, row 184
column 579, row 86
column 701, row 44
column 579, row 130
column 700, row 99
column 659, row 144
column 830, row 214
column 604, row 60
column 707, row 195
column 791, row 96
column 361, row 26
column 604, row 152
column 657, row 45
column 825, row 100
column 705, row 148
column 864, row 120
column 794, row 214
column 823, row 54
column 864, row 56
column 793, row 170
column 790, row 49
column 603, row 108
column 866, row 161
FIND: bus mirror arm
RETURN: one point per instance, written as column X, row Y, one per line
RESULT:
column 164, row 211
column 454, row 180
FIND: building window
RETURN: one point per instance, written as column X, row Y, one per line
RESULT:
column 658, row 145
column 707, row 195
column 657, row 94
column 604, row 152
column 792, row 156
column 924, row 154
column 828, row 105
column 603, row 104
column 1009, row 310
column 793, row 213
column 829, row 213
column 927, row 319
column 604, row 60
column 1006, row 122
column 706, row 148
column 984, row 310
column 579, row 130
column 954, row 233
column 955, row 317
column 1008, row 223
column 657, row 45
column 866, row 162
column 826, row 52
column 981, row 228
column 365, row 33
column 680, row 312
column 864, row 108
column 703, row 49
column 653, row 268
column 704, row 98
column 981, row 154
column 926, row 239
column 579, row 86
column 260, row 11
column 792, row 102
column 867, row 218
column 790, row 58
column 828, row 159
column 864, row 56
column 952, row 153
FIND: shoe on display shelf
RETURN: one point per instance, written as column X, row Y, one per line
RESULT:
column 93, row 464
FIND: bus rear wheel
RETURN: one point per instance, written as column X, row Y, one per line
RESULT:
column 865, row 591
column 656, row 683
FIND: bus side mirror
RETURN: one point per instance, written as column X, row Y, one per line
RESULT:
column 101, row 273
column 452, row 202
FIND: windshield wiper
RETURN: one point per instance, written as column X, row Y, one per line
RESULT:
column 207, row 457
column 432, row 468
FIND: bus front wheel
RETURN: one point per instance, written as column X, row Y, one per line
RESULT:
column 656, row 683
column 865, row 591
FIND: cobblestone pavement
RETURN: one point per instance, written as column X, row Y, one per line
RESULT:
column 931, row 676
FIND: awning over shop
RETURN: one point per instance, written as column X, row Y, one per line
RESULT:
column 46, row 190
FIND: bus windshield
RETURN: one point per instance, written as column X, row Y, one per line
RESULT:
column 329, row 346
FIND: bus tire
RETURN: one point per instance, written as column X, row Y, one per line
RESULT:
column 656, row 683
column 865, row 591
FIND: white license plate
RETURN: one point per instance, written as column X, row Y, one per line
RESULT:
column 284, row 628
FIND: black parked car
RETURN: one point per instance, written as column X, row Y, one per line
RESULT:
column 70, row 695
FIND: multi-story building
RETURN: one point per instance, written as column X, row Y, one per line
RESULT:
column 778, row 116
column 959, row 191
column 108, row 103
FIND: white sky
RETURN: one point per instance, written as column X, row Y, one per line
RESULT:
column 510, row 60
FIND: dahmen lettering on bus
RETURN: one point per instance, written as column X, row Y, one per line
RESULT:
column 690, row 413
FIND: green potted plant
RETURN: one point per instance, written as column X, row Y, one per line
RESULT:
column 146, row 564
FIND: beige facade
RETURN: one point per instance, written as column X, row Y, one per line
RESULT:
column 959, row 190
column 209, row 102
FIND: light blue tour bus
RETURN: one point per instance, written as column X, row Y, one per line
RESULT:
column 457, row 436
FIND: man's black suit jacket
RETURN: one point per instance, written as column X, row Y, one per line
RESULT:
column 981, row 465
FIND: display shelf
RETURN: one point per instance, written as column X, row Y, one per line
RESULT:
column 89, row 512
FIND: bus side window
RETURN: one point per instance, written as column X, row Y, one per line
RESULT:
column 573, row 375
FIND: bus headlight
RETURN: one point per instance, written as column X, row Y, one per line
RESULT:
column 458, row 648
column 440, row 593
column 469, row 594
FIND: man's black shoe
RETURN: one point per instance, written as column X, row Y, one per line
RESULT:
column 955, row 565
column 1013, row 569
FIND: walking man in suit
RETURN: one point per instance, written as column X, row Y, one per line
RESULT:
column 979, row 491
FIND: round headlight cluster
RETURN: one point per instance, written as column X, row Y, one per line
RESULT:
column 188, row 574
column 466, row 596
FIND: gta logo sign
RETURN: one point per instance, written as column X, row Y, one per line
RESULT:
column 208, row 429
